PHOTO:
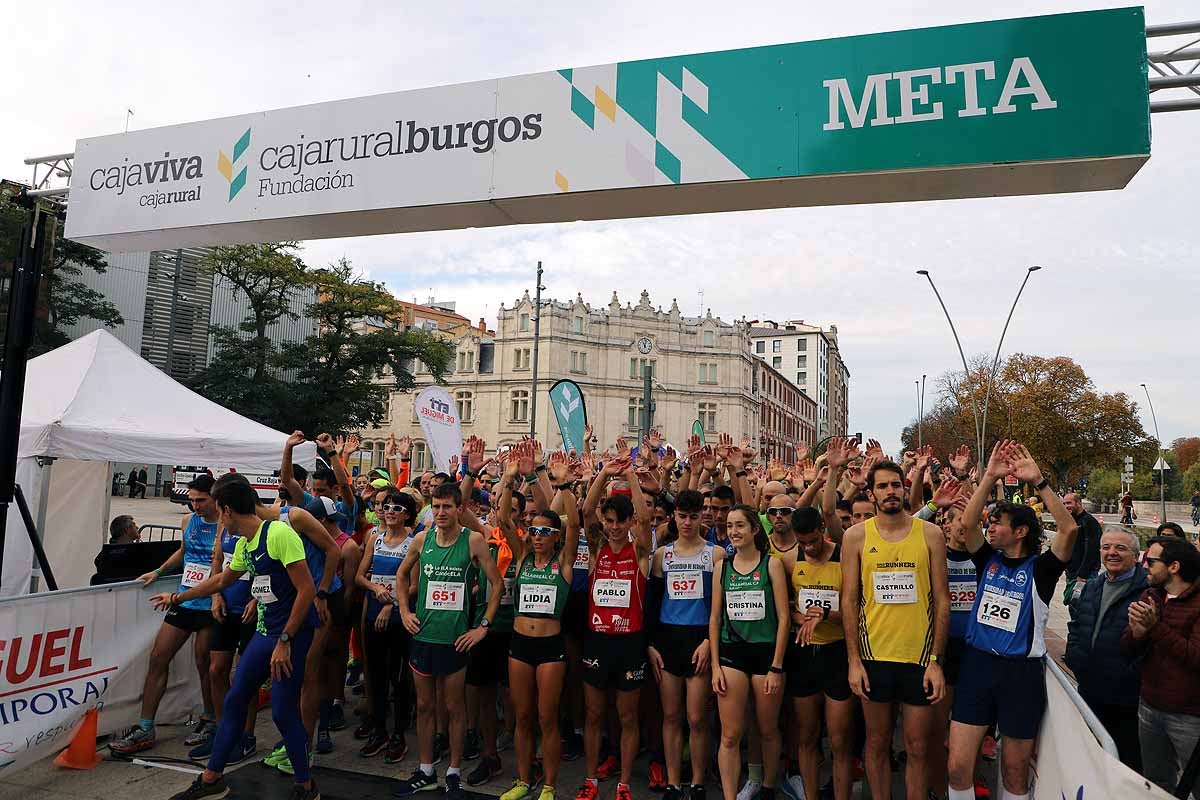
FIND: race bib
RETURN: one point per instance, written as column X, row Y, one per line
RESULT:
column 895, row 586
column 581, row 556
column 998, row 611
column 261, row 590
column 506, row 599
column 444, row 596
column 388, row 581
column 612, row 592
column 537, row 598
column 746, row 606
column 962, row 595
column 195, row 574
column 686, row 584
column 229, row 560
column 819, row 598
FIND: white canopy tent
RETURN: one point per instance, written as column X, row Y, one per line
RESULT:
column 95, row 401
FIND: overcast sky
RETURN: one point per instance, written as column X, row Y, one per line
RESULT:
column 1118, row 292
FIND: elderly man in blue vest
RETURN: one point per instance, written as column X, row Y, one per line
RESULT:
column 1109, row 683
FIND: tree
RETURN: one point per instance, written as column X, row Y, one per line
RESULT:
column 1187, row 450
column 63, row 300
column 1104, row 485
column 1050, row 404
column 1191, row 481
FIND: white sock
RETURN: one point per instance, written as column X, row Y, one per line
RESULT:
column 427, row 769
column 1007, row 795
column 453, row 771
column 962, row 794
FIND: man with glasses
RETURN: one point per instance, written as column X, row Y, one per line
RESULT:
column 1163, row 635
column 782, row 538
column 1109, row 683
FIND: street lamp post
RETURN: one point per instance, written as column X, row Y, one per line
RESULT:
column 980, row 426
column 1162, row 474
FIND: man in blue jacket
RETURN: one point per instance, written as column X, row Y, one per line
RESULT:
column 1108, row 682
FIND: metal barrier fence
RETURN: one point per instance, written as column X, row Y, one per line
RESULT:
column 159, row 533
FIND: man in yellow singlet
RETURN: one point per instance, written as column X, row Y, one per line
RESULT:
column 894, row 574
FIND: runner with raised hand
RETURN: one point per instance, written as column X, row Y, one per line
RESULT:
column 677, row 613
column 838, row 454
column 537, row 654
column 1002, row 679
column 385, row 639
column 615, row 648
column 894, row 574
column 747, row 635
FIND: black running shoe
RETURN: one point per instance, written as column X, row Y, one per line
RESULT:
column 417, row 782
column 199, row 789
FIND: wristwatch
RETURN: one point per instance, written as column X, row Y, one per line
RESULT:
column 321, row 593
column 935, row 659
column 485, row 623
column 285, row 638
column 1045, row 482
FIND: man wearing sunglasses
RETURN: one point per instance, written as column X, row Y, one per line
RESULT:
column 782, row 538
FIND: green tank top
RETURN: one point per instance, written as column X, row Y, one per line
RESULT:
column 504, row 616
column 749, row 615
column 541, row 592
column 442, row 589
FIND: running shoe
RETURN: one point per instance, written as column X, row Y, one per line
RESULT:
column 504, row 740
column 246, row 748
column 519, row 791
column 135, row 741
column 417, row 782
column 658, row 776
column 988, row 749
column 697, row 792
column 793, row 787
column 750, row 790
column 572, row 746
column 366, row 730
column 487, row 769
column 589, row 791
column 201, row 752
column 203, row 732
column 284, row 764
column 608, row 768
column 472, row 743
column 199, row 789
column 277, row 754
column 300, row 793
column 373, row 746
column 441, row 747
column 354, row 673
column 673, row 793
column 324, row 741
column 337, row 717
column 454, row 790
column 397, row 749
column 547, row 793
column 623, row 792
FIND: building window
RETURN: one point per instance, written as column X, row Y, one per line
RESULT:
column 637, row 367
column 577, row 325
column 420, row 457
column 776, row 346
column 466, row 361
column 801, row 377
column 707, row 414
column 802, row 362
column 802, row 345
column 635, row 413
column 466, row 406
column 760, row 347
column 523, row 323
column 777, row 362
column 521, row 358
column 710, row 339
column 579, row 362
column 708, row 373
column 519, row 406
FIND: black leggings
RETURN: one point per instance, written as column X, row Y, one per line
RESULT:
column 387, row 653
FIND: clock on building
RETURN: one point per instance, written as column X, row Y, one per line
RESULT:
column 644, row 345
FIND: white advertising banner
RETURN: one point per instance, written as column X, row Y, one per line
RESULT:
column 439, row 420
column 65, row 653
column 1071, row 764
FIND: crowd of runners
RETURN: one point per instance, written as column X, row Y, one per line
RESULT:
column 713, row 610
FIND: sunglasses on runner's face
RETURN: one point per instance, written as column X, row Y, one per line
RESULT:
column 539, row 530
column 781, row 512
column 393, row 507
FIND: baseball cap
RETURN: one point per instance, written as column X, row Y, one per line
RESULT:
column 324, row 509
column 381, row 483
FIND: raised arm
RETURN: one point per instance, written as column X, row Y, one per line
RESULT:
column 566, row 559
column 286, row 478
column 997, row 467
column 1026, row 469
column 343, row 448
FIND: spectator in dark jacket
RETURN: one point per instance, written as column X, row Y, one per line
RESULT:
column 1107, row 681
column 1164, row 633
column 1085, row 558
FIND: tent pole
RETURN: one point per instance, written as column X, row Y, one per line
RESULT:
column 22, row 308
column 34, row 540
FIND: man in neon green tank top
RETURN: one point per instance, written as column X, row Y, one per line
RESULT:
column 894, row 573
column 442, row 635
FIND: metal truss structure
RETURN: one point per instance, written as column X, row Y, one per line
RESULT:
column 1177, row 68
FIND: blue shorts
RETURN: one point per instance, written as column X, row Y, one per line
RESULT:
column 1010, row 692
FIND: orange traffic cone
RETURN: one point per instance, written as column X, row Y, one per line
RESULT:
column 81, row 753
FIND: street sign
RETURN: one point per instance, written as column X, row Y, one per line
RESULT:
column 1161, row 465
column 1006, row 107
column 1128, row 462
column 1011, row 480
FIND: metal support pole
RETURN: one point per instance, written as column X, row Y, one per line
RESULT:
column 996, row 361
column 917, row 387
column 1172, row 29
column 34, row 540
column 966, row 369
column 174, row 305
column 1160, row 106
column 922, row 400
column 22, row 311
column 537, row 334
column 1162, row 473
column 647, row 402
column 1168, row 56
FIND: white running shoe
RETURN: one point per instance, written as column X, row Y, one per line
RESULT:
column 749, row 790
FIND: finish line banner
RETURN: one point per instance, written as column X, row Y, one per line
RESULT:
column 1008, row 107
column 65, row 653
